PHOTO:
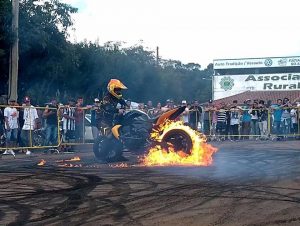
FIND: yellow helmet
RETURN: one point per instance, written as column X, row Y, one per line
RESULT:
column 114, row 87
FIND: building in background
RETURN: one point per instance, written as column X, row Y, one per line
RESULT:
column 259, row 78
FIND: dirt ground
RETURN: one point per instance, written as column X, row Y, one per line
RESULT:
column 249, row 183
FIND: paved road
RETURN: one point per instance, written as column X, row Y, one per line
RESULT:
column 249, row 183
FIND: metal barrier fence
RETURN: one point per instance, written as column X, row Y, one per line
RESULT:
column 267, row 123
column 24, row 127
column 76, row 126
column 31, row 127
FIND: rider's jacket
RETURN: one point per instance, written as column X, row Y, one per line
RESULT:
column 107, row 114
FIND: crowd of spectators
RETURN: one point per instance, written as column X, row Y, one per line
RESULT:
column 253, row 119
column 24, row 125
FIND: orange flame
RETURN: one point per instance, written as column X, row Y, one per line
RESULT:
column 42, row 162
column 76, row 158
column 201, row 153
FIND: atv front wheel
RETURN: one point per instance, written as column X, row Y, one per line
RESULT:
column 107, row 149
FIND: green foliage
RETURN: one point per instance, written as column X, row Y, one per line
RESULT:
column 5, row 21
column 52, row 66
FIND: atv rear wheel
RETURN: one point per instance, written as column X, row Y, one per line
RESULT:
column 108, row 149
column 180, row 140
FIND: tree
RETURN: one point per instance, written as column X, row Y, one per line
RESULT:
column 50, row 65
column 5, row 32
column 43, row 46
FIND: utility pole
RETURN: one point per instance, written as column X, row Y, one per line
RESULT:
column 157, row 55
column 14, row 53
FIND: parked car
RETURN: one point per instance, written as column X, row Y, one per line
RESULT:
column 88, row 135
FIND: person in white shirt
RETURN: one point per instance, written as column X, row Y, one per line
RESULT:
column 11, row 116
column 294, row 119
column 186, row 114
column 30, row 117
column 235, row 120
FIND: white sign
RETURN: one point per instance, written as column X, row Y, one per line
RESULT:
column 257, row 62
column 228, row 85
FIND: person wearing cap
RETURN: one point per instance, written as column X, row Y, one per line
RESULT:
column 30, row 116
column 11, row 116
column 247, row 102
column 185, row 115
column 169, row 105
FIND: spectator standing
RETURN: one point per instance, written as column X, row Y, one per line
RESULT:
column 286, row 117
column 128, row 106
column 30, row 116
column 94, row 111
column 294, row 119
column 228, row 128
column 142, row 107
column 40, row 121
column 69, row 121
column 150, row 108
column 234, row 120
column 185, row 115
column 221, row 122
column 157, row 111
column 214, row 120
column 169, row 105
column 207, row 118
column 11, row 116
column 21, row 124
column 246, row 121
column 277, row 112
column 263, row 119
column 195, row 115
column 51, row 116
column 79, row 120
column 254, row 119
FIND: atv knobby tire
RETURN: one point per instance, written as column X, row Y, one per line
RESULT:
column 180, row 140
column 107, row 149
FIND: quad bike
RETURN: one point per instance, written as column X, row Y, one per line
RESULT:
column 133, row 134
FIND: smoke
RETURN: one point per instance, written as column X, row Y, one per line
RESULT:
column 242, row 165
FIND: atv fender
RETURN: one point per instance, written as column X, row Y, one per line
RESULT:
column 172, row 115
column 115, row 131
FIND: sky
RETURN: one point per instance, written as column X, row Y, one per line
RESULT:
column 196, row 31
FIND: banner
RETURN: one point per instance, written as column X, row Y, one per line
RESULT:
column 228, row 85
column 257, row 62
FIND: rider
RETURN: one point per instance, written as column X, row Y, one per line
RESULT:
column 108, row 112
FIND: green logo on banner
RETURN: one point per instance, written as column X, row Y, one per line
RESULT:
column 227, row 83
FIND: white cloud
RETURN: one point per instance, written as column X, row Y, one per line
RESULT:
column 194, row 30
